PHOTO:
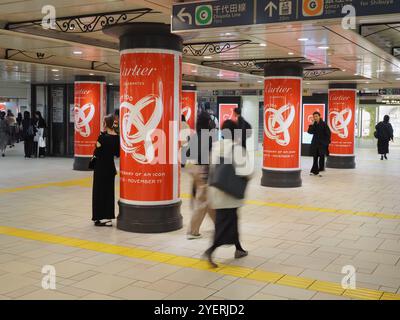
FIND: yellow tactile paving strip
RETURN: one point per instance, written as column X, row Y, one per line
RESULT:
column 87, row 182
column 236, row 271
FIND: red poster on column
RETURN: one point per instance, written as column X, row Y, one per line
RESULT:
column 341, row 121
column 308, row 119
column 226, row 112
column 282, row 126
column 3, row 107
column 89, row 103
column 149, row 126
column 189, row 107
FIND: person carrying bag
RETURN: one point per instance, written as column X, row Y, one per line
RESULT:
column 230, row 171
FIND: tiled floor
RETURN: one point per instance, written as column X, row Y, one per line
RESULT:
column 347, row 217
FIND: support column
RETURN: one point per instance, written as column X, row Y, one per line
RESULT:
column 341, row 120
column 150, row 98
column 89, row 111
column 189, row 105
column 282, row 125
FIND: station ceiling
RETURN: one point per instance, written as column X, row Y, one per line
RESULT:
column 30, row 53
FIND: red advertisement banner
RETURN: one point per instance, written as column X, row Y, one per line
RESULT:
column 189, row 107
column 308, row 110
column 226, row 112
column 89, row 108
column 341, row 121
column 149, row 126
column 282, row 123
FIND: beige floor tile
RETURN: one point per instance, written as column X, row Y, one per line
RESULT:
column 288, row 292
column 18, row 267
column 166, row 286
column 325, row 296
column 151, row 274
column 11, row 282
column 195, row 277
column 103, row 283
column 191, row 293
column 42, row 294
column 98, row 296
column 137, row 293
column 263, row 296
column 69, row 269
column 238, row 291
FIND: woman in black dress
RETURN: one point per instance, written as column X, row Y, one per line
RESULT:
column 384, row 133
column 319, row 144
column 107, row 147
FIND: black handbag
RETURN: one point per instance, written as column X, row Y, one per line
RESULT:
column 224, row 178
column 92, row 163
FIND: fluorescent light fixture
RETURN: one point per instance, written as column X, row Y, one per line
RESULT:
column 323, row 47
column 344, row 70
column 91, row 74
column 77, row 52
column 207, row 57
column 263, row 44
column 111, row 84
column 303, row 39
column 192, row 85
column 55, row 70
column 259, row 81
column 290, row 53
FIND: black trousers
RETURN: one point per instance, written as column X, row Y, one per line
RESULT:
column 318, row 164
column 28, row 146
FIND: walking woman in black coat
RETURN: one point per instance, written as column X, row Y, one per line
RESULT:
column 107, row 147
column 319, row 144
column 384, row 133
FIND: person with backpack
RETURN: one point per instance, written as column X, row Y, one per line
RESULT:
column 384, row 133
column 28, row 133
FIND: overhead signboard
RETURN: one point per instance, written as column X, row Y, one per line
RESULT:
column 389, row 92
column 271, row 11
column 227, row 13
column 212, row 14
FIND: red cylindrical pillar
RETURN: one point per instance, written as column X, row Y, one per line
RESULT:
column 189, row 105
column 89, row 110
column 282, row 125
column 150, row 114
column 341, row 120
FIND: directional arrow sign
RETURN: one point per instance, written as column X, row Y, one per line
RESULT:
column 271, row 7
column 212, row 14
column 182, row 15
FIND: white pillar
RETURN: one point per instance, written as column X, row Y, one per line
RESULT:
column 250, row 114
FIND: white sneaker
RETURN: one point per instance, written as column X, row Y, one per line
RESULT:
column 193, row 236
